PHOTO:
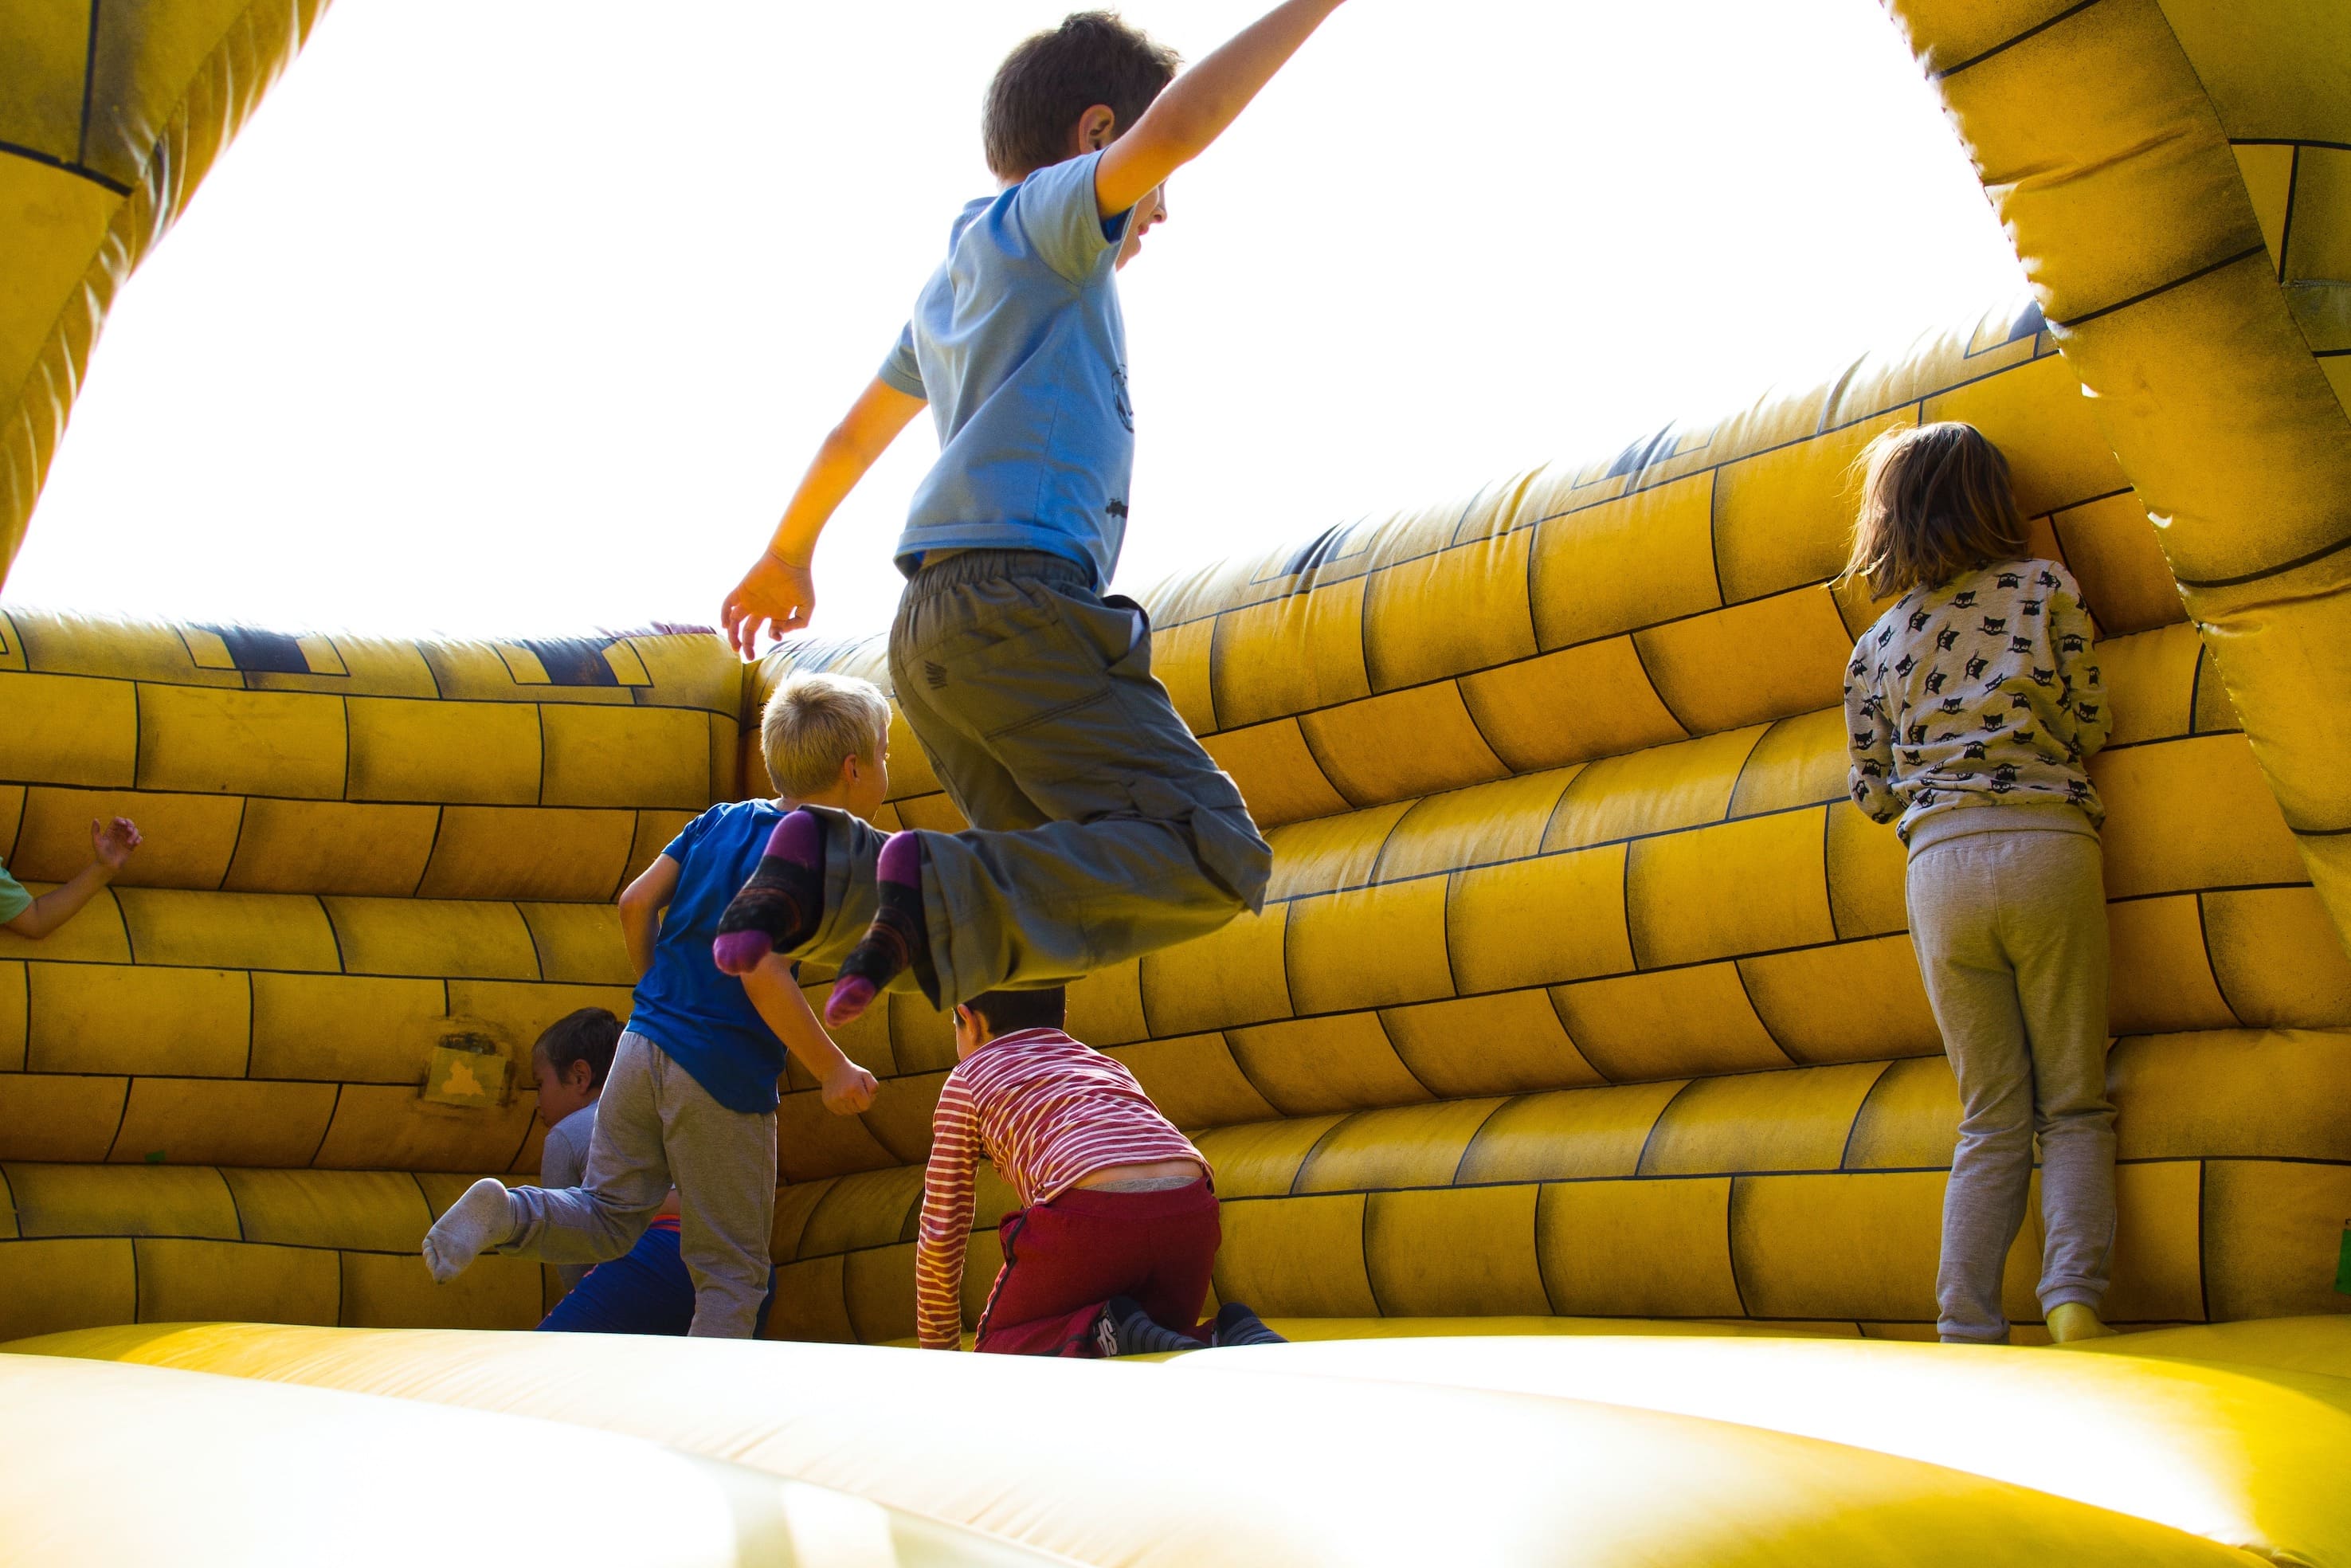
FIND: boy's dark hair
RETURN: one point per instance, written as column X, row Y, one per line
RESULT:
column 590, row 1035
column 1053, row 77
column 1008, row 1010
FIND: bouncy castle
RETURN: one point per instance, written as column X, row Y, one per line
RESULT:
column 1575, row 1101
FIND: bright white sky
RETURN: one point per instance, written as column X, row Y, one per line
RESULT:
column 523, row 316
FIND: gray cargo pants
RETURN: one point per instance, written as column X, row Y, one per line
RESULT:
column 2011, row 930
column 1100, row 830
column 655, row 1126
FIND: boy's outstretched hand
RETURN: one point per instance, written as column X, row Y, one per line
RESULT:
column 111, row 842
column 774, row 596
column 849, row 1088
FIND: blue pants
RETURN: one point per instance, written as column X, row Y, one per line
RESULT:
column 647, row 1292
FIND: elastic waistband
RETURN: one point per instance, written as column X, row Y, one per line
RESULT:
column 1963, row 821
column 1094, row 1203
column 968, row 566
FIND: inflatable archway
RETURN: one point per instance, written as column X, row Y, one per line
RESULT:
column 1583, row 1002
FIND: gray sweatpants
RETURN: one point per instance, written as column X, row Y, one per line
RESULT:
column 655, row 1128
column 2010, row 931
column 1100, row 828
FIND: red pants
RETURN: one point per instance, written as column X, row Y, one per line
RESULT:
column 1063, row 1260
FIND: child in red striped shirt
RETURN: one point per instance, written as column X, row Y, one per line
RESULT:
column 1110, row 1251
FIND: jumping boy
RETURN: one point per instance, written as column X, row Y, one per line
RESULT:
column 691, row 1097
column 1110, row 1251
column 1100, row 828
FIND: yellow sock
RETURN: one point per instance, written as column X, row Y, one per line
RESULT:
column 2075, row 1320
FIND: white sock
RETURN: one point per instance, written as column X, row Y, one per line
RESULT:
column 483, row 1218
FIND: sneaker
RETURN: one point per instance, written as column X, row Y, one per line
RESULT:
column 1236, row 1324
column 1125, row 1329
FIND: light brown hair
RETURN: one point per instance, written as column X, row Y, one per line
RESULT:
column 815, row 721
column 1934, row 501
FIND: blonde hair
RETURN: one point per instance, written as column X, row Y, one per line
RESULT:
column 1934, row 501
column 812, row 722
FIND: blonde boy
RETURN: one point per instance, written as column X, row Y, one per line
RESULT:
column 691, row 1098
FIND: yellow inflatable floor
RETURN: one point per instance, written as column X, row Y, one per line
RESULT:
column 1575, row 1101
column 1592, row 1451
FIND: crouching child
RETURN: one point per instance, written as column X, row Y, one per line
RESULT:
column 1112, row 1249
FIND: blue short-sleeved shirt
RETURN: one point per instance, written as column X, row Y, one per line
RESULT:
column 686, row 1004
column 1017, row 342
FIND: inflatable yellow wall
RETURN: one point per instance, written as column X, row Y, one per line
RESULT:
column 1583, row 997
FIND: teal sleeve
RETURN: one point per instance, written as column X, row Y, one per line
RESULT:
column 14, row 899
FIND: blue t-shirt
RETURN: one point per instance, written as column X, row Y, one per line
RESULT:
column 686, row 1004
column 1017, row 342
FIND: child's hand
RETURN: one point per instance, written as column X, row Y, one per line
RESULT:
column 850, row 1089
column 777, row 594
column 111, row 842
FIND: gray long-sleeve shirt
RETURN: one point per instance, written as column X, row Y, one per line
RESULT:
column 562, row 1162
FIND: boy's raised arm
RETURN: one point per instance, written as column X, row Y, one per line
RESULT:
column 779, row 593
column 1198, row 105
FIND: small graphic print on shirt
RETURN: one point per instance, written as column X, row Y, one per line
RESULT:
column 1126, row 409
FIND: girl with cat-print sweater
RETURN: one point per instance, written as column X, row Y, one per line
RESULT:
column 1970, row 708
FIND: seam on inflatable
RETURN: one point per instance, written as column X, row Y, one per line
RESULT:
column 334, row 933
column 1634, row 638
column 1306, row 1161
column 2321, row 553
column 332, row 1109
column 121, row 1120
column 2285, row 229
column 1714, row 538
column 1844, row 1154
column 88, row 83
column 2185, row 279
column 1731, row 1246
column 538, row 957
column 250, row 1028
column 1650, row 1138
column 1471, row 715
column 2203, row 1244
column 2204, row 941
column 1542, row 1262
column 440, row 816
column 1306, row 738
column 138, row 727
column 1363, row 1240
column 1472, row 1144
column 2066, row 14
column 235, row 842
column 1379, row 1016
column 51, row 160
